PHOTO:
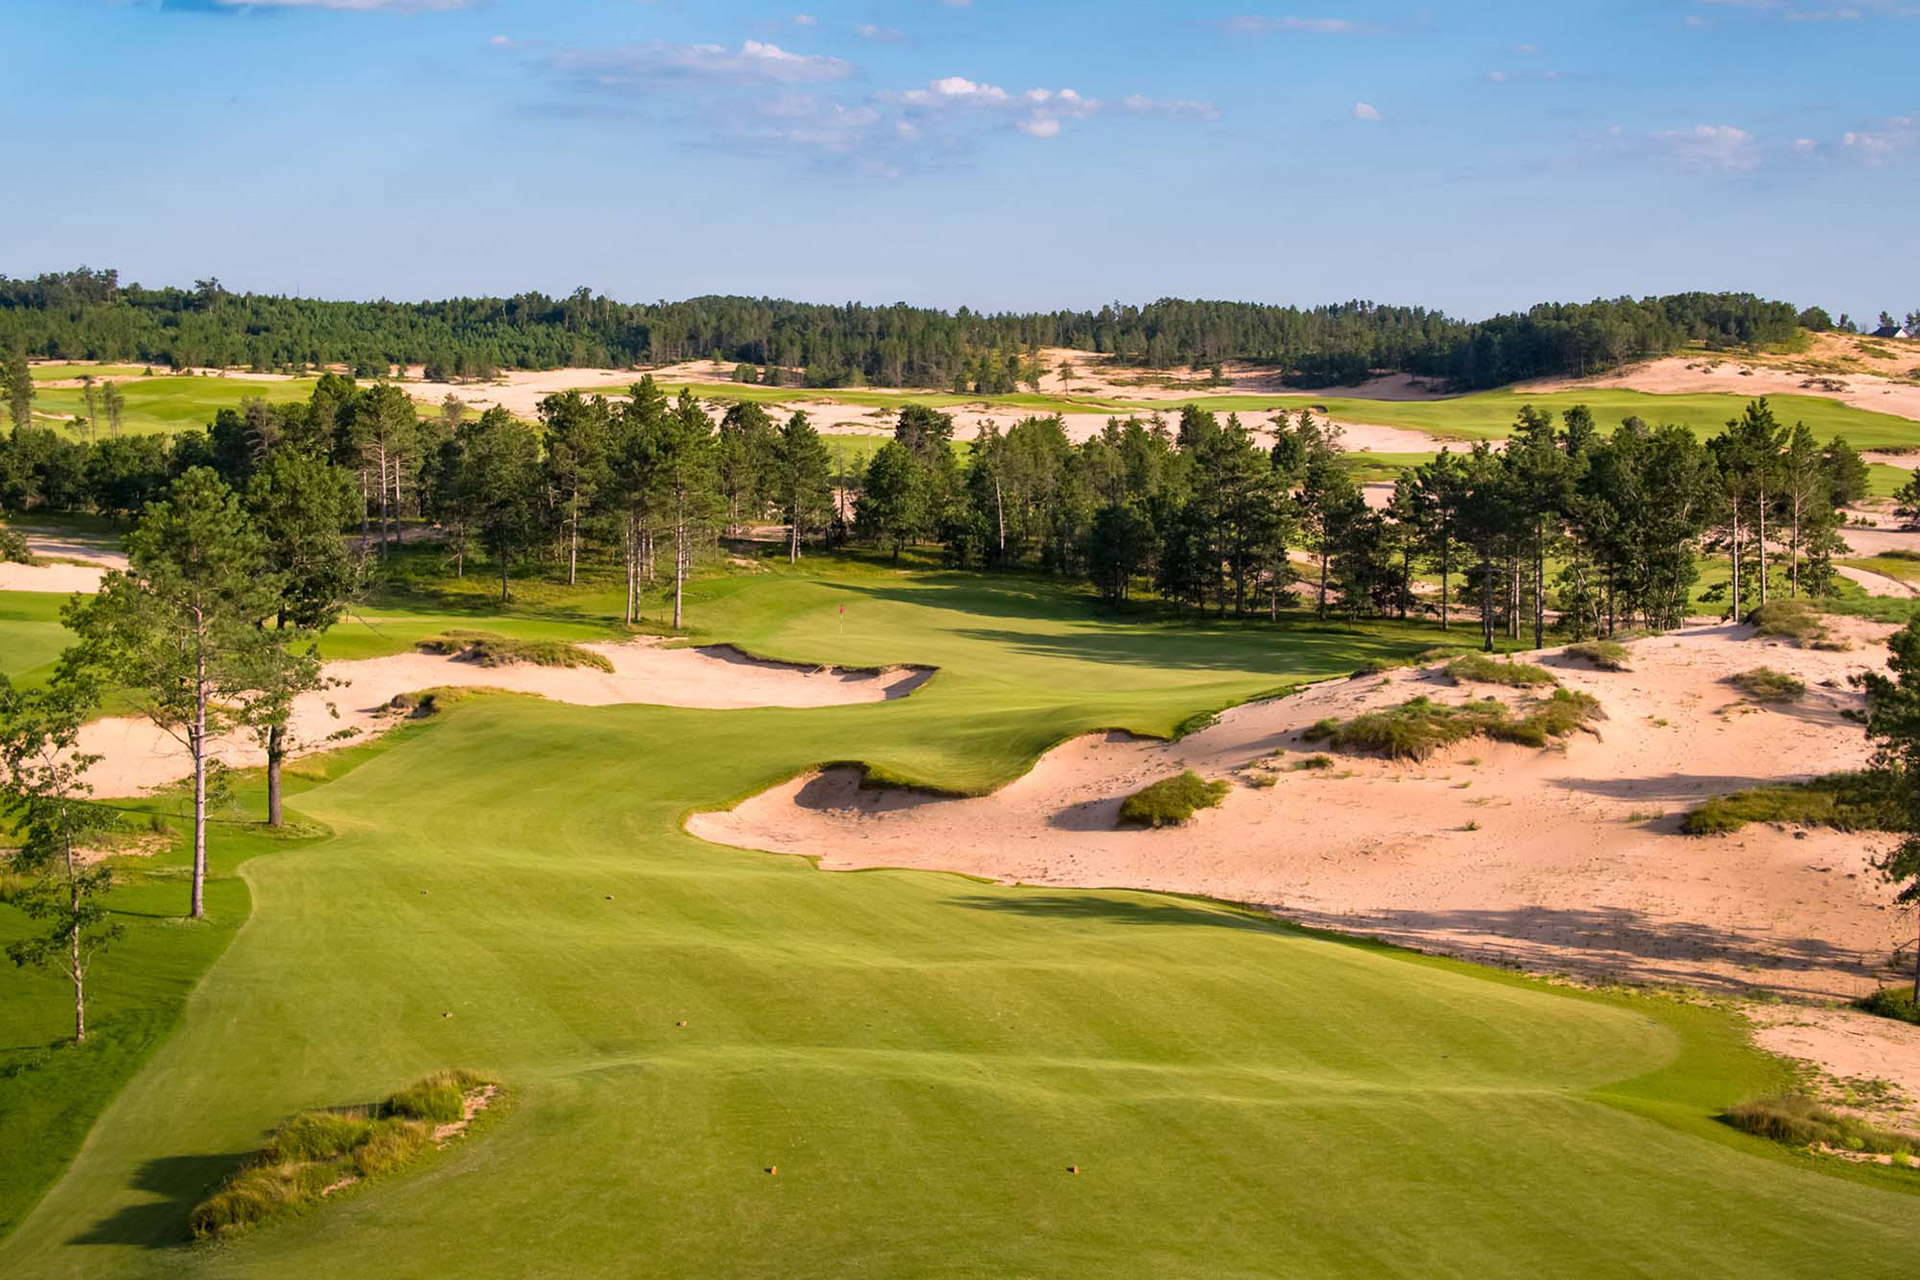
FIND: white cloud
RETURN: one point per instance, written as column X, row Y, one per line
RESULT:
column 754, row 62
column 1498, row 77
column 1259, row 24
column 501, row 42
column 879, row 34
column 354, row 6
column 1880, row 144
column 1365, row 111
column 1710, row 146
column 805, row 20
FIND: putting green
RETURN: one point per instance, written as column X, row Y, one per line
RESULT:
column 170, row 404
column 922, row 1057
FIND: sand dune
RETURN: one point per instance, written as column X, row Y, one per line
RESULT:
column 1558, row 860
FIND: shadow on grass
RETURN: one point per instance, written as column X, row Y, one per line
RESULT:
column 177, row 1183
column 1085, row 905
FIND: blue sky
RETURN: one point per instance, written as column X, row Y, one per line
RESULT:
column 987, row 152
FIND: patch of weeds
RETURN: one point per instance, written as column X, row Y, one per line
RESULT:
column 1320, row 760
column 1607, row 655
column 1470, row 826
column 1262, row 781
column 1639, row 815
column 1799, row 1121
column 1892, row 1002
column 1863, row 801
column 1790, row 620
column 1171, row 801
column 1478, row 668
column 490, row 650
column 317, row 1153
column 1419, row 727
column 1764, row 684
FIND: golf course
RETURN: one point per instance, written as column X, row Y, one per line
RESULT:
column 951, row 1077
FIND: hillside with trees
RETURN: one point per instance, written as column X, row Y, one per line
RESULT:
column 90, row 315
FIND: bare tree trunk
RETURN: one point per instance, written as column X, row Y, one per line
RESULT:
column 1446, row 573
column 74, row 968
column 1540, row 590
column 1736, row 559
column 573, row 539
column 679, row 570
column 1323, row 575
column 197, row 739
column 276, row 752
column 1761, row 504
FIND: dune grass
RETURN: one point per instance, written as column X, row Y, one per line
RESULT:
column 1765, row 684
column 921, row 1056
column 1481, row 668
column 1607, row 655
column 1844, row 801
column 1419, row 727
column 1172, row 801
column 316, row 1153
column 1800, row 1121
column 1793, row 620
column 490, row 649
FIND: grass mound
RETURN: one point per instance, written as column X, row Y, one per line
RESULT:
column 1607, row 655
column 1864, row 801
column 1171, row 801
column 1801, row 1122
column 319, row 1152
column 1479, row 668
column 1792, row 620
column 1764, row 684
column 490, row 650
column 1892, row 1002
column 1418, row 727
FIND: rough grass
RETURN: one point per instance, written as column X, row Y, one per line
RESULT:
column 1764, row 684
column 492, row 650
column 1172, row 801
column 1799, row 1121
column 1892, row 1002
column 1480, row 668
column 1864, row 801
column 1419, row 727
column 1790, row 620
column 317, row 1152
column 1607, row 655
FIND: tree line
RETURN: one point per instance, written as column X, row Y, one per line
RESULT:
column 1596, row 531
column 87, row 314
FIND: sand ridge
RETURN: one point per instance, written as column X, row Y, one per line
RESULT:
column 1559, row 860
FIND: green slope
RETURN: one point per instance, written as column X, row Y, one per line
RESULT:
column 921, row 1056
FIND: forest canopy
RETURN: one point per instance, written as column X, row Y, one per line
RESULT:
column 90, row 315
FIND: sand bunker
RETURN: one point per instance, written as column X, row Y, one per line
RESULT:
column 137, row 756
column 60, row 578
column 1557, row 860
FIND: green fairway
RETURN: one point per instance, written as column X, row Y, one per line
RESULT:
column 57, row 371
column 31, row 636
column 921, row 1056
column 1487, row 415
column 172, row 404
